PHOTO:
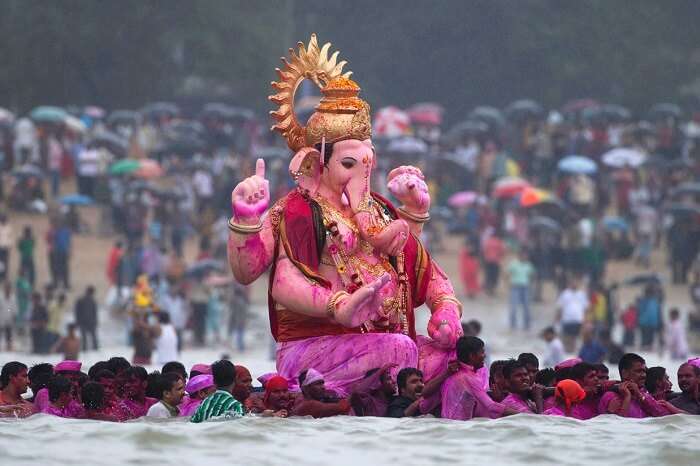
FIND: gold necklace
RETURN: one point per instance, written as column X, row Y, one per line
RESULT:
column 334, row 214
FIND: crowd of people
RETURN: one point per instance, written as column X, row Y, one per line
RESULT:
column 117, row 391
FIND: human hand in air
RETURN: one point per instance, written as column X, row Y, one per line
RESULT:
column 250, row 197
column 407, row 184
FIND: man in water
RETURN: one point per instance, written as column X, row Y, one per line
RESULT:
column 586, row 375
column 372, row 395
column 134, row 382
column 464, row 393
column 221, row 402
column 170, row 391
column 631, row 398
column 532, row 364
column 689, row 383
column 314, row 401
column 59, row 397
column 521, row 389
column 244, row 384
column 498, row 387
column 407, row 404
column 277, row 400
column 14, row 382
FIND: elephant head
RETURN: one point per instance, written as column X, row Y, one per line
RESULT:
column 344, row 172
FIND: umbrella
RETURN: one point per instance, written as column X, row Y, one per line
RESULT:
column 123, row 117
column 48, row 114
column 124, row 167
column 94, row 112
column 27, row 170
column 615, row 223
column 159, row 109
column 76, row 199
column 665, row 110
column 523, row 109
column 642, row 279
column 686, row 188
column 509, row 186
column 680, row 209
column 203, row 267
column 113, row 142
column 427, row 113
column 462, row 198
column 391, row 122
column 489, row 115
column 577, row 164
column 623, row 156
column 149, row 168
column 407, row 145
column 615, row 112
column 74, row 124
column 530, row 197
column 544, row 223
column 577, row 106
column 6, row 116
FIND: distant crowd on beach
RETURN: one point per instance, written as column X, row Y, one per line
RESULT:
column 117, row 391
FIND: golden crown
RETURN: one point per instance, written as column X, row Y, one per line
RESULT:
column 340, row 115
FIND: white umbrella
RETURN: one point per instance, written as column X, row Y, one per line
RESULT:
column 622, row 156
column 391, row 122
column 74, row 124
column 6, row 115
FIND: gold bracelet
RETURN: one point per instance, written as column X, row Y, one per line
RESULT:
column 418, row 218
column 333, row 303
column 449, row 299
column 244, row 229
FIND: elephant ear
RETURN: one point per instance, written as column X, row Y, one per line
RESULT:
column 305, row 169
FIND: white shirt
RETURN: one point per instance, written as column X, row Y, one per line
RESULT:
column 89, row 162
column 6, row 236
column 166, row 344
column 158, row 410
column 8, row 309
column 203, row 184
column 554, row 354
column 573, row 305
column 175, row 306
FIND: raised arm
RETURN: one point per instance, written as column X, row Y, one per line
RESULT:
column 251, row 241
column 407, row 184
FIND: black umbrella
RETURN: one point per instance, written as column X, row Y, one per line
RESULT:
column 123, row 117
column 523, row 109
column 642, row 279
column 686, row 188
column 465, row 129
column 159, row 109
column 681, row 210
column 665, row 110
column 203, row 267
column 489, row 115
column 114, row 143
column 544, row 223
column 608, row 113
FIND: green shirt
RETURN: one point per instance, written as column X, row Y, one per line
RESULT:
column 219, row 403
column 520, row 272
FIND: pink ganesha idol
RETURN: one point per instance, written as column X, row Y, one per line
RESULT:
column 346, row 267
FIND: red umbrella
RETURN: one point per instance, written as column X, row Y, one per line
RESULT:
column 509, row 186
column 149, row 169
column 426, row 114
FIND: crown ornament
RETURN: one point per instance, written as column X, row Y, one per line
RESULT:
column 340, row 115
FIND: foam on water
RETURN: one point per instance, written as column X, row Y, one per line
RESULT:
column 517, row 440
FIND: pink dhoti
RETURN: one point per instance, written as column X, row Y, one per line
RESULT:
column 344, row 359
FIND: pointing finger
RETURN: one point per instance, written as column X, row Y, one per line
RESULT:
column 260, row 168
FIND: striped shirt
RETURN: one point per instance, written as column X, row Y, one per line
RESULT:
column 219, row 403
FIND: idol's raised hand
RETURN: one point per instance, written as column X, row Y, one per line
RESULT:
column 250, row 197
column 407, row 184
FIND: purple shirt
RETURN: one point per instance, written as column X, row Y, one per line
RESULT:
column 519, row 404
column 587, row 409
column 464, row 397
column 648, row 407
column 188, row 406
column 554, row 411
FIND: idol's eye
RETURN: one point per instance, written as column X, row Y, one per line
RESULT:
column 348, row 162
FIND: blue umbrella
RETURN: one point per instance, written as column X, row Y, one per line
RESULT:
column 76, row 199
column 48, row 113
column 577, row 164
column 615, row 223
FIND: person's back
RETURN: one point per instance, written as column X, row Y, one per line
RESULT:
column 221, row 403
column 166, row 344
